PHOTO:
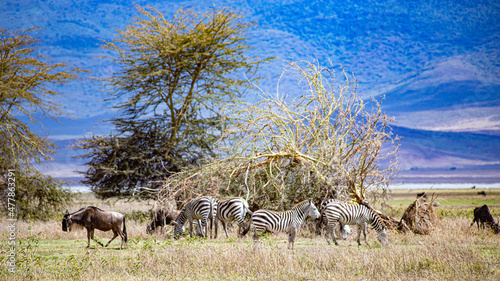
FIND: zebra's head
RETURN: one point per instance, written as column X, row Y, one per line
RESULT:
column 344, row 231
column 178, row 229
column 382, row 236
column 313, row 211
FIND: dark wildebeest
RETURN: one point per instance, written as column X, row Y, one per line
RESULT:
column 481, row 193
column 422, row 194
column 161, row 218
column 482, row 215
column 94, row 218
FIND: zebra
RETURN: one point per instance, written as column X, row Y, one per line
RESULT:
column 344, row 229
column 353, row 214
column 288, row 221
column 230, row 210
column 201, row 209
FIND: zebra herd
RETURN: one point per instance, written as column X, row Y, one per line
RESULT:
column 208, row 211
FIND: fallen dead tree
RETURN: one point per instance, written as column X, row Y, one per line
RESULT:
column 419, row 217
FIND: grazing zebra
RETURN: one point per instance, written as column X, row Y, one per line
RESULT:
column 230, row 210
column 288, row 221
column 202, row 209
column 344, row 229
column 353, row 214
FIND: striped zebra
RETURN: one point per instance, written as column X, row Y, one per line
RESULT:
column 344, row 229
column 353, row 214
column 288, row 221
column 201, row 209
column 230, row 210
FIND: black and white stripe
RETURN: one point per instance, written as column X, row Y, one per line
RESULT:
column 202, row 209
column 353, row 214
column 343, row 229
column 288, row 221
column 234, row 209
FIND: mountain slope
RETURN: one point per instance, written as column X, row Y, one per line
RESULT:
column 434, row 149
column 437, row 63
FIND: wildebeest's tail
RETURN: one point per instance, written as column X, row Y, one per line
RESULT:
column 125, row 230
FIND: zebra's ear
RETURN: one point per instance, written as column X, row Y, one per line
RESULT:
column 310, row 201
column 67, row 212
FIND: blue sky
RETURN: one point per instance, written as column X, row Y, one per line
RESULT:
column 437, row 61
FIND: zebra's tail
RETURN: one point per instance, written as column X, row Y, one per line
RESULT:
column 212, row 216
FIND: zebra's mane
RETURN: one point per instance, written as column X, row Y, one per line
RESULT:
column 372, row 211
column 300, row 204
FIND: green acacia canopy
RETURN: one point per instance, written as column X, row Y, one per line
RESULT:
column 174, row 78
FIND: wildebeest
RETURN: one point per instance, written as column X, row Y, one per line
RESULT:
column 482, row 215
column 94, row 218
column 161, row 218
column 422, row 194
column 481, row 193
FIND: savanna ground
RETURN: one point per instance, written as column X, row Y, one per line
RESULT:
column 453, row 251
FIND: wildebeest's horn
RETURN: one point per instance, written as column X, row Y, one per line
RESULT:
column 174, row 222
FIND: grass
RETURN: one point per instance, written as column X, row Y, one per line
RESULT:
column 452, row 251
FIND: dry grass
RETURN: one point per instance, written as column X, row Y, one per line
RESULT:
column 452, row 251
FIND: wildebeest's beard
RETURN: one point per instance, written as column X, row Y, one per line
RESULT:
column 69, row 225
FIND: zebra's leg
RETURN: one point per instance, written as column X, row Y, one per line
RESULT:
column 358, row 239
column 204, row 223
column 332, row 231
column 291, row 237
column 190, row 227
column 327, row 229
column 364, row 232
column 224, row 225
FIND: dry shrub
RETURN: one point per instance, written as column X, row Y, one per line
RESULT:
column 419, row 217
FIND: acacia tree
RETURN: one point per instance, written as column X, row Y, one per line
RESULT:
column 26, row 94
column 174, row 76
column 326, row 143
